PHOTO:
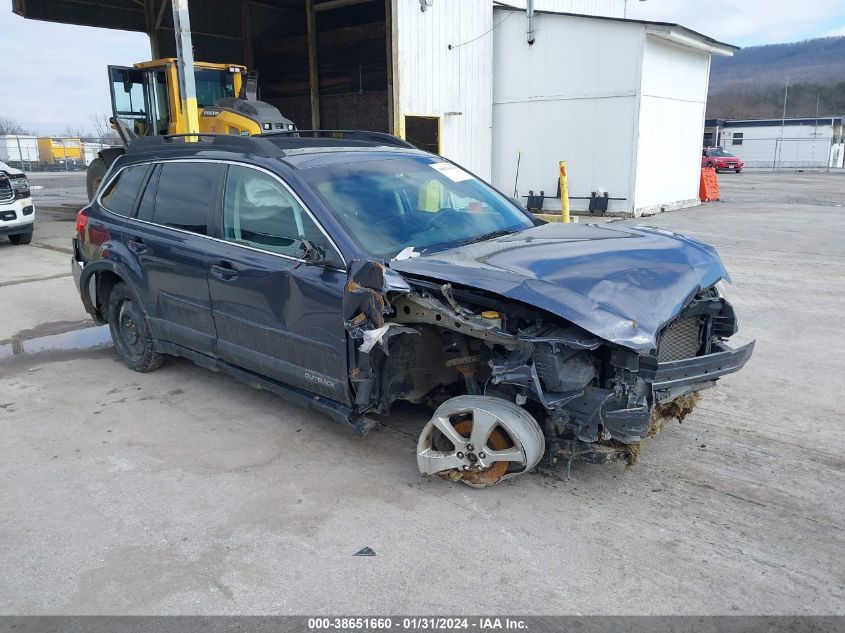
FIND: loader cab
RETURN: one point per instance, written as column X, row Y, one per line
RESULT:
column 146, row 101
column 146, row 98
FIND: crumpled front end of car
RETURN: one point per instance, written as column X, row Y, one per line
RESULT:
column 598, row 346
column 594, row 398
column 636, row 392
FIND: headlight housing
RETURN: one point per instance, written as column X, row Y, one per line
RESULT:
column 20, row 185
column 722, row 287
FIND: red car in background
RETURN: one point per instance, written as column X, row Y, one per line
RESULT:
column 718, row 158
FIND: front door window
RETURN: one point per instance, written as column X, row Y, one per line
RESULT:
column 259, row 211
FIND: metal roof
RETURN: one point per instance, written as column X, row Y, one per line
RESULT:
column 216, row 17
column 217, row 26
column 695, row 35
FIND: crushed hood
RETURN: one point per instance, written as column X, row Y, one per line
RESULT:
column 620, row 283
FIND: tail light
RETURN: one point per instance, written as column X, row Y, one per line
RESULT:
column 81, row 221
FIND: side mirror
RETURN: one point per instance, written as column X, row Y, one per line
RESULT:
column 313, row 254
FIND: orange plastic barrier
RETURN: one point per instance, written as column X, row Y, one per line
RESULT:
column 709, row 189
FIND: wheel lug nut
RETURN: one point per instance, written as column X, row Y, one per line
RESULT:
column 482, row 455
column 470, row 447
column 460, row 455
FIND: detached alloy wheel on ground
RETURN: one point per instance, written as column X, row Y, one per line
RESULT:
column 130, row 332
column 480, row 441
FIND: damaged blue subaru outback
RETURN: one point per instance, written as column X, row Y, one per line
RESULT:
column 350, row 271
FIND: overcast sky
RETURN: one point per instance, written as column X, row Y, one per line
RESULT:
column 748, row 22
column 54, row 75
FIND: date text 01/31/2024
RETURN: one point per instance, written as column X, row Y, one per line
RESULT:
column 415, row 624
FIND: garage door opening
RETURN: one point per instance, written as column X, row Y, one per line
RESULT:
column 350, row 44
column 423, row 132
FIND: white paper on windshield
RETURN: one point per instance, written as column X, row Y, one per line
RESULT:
column 406, row 253
column 453, row 173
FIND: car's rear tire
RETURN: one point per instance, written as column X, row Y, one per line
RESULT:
column 130, row 332
column 96, row 172
column 21, row 238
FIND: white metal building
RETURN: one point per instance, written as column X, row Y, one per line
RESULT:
column 776, row 143
column 443, row 68
column 622, row 101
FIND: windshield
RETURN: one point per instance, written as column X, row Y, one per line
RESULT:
column 719, row 152
column 213, row 85
column 390, row 204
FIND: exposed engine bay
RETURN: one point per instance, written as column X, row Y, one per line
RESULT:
column 517, row 385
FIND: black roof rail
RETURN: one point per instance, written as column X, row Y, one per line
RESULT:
column 365, row 138
column 224, row 142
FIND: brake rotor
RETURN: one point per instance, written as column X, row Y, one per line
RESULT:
column 498, row 440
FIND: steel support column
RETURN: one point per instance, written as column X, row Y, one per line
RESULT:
column 185, row 63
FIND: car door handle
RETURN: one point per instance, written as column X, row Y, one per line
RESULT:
column 136, row 245
column 224, row 270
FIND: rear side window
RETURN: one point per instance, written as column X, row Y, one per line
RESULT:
column 148, row 198
column 185, row 195
column 119, row 198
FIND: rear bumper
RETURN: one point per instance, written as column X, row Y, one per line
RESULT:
column 76, row 265
column 86, row 292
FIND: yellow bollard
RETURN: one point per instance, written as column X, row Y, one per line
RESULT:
column 564, row 193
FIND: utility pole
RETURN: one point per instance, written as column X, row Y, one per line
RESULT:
column 779, row 151
column 185, row 64
column 816, row 128
column 20, row 152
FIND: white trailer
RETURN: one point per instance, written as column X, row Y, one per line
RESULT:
column 19, row 151
column 812, row 143
column 90, row 151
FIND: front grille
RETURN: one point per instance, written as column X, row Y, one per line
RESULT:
column 6, row 193
column 682, row 339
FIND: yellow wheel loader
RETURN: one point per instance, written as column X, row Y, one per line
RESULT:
column 146, row 101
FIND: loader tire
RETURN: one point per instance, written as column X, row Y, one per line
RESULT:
column 96, row 171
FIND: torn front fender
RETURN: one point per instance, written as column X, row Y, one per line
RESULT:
column 368, row 285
